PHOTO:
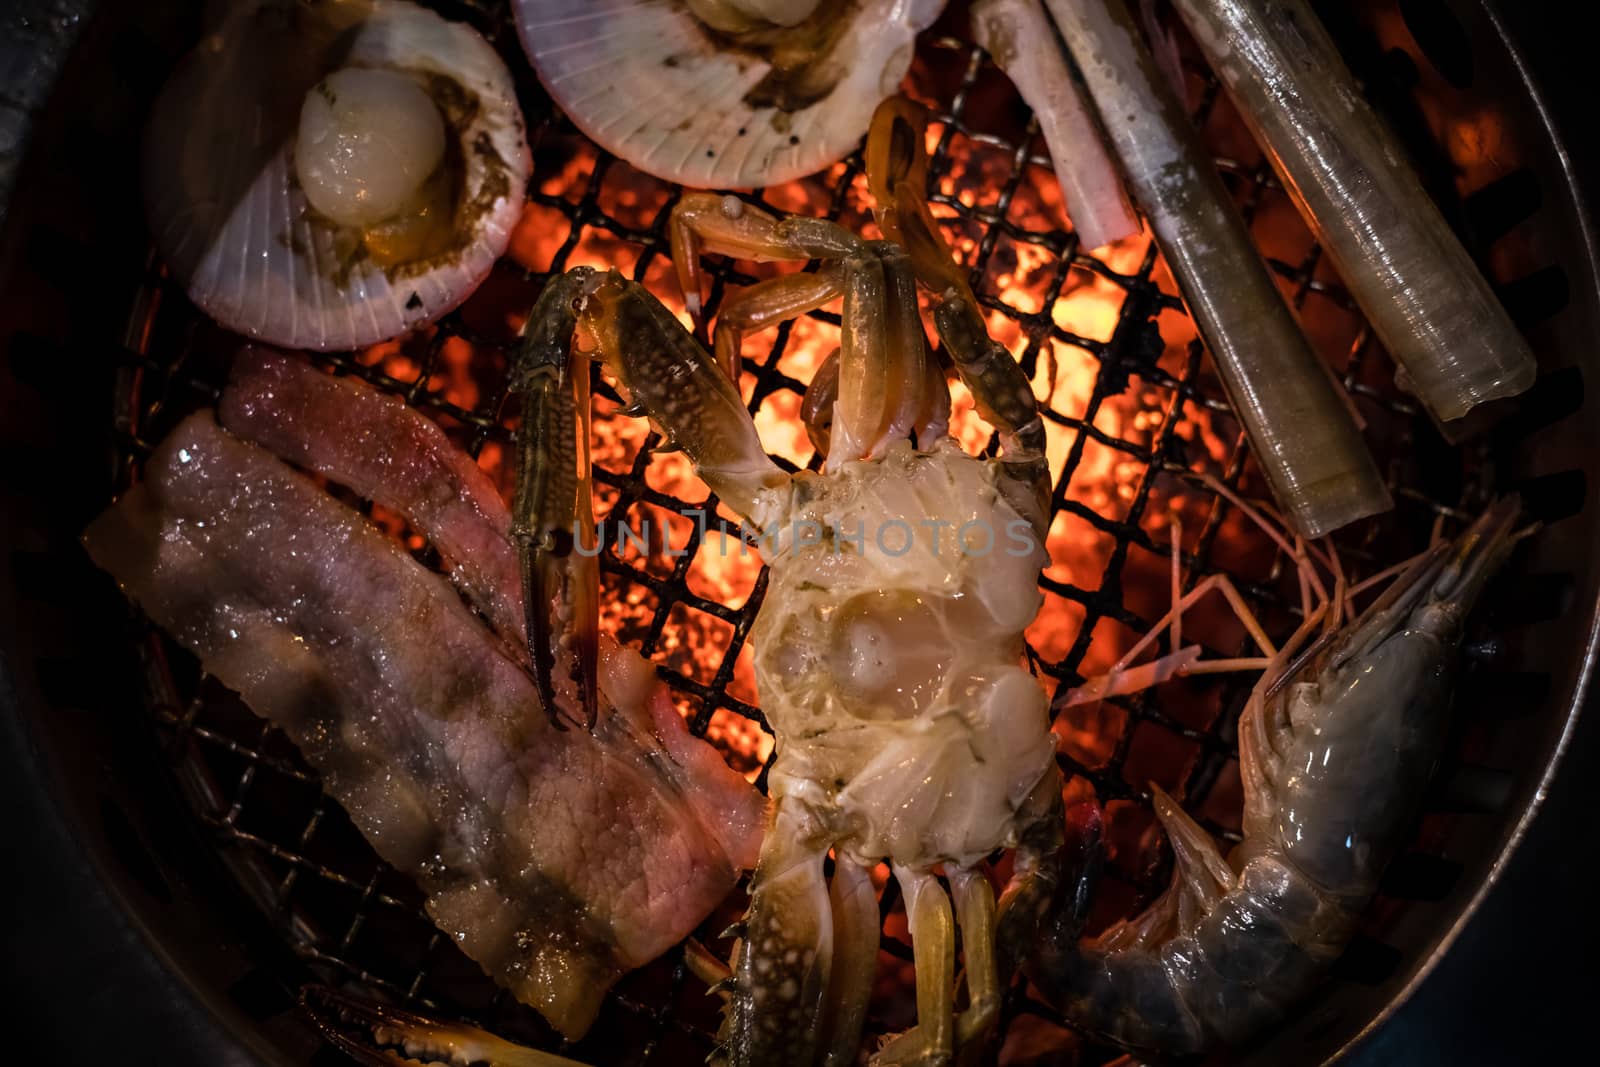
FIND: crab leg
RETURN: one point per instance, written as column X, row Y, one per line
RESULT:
column 553, row 506
column 706, row 222
column 881, row 339
column 975, row 913
column 781, row 963
column 897, row 175
column 1004, row 397
column 906, row 378
column 726, row 225
column 933, row 417
column 679, row 386
column 933, row 948
column 768, row 303
column 379, row 1035
column 862, row 407
column 1032, row 898
column 855, row 960
column 816, row 410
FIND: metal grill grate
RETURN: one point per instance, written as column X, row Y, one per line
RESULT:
column 348, row 918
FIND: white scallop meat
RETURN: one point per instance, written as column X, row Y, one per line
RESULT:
column 225, row 205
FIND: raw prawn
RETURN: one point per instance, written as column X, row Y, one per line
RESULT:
column 1336, row 744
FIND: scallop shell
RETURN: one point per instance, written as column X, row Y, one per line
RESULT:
column 648, row 82
column 228, row 215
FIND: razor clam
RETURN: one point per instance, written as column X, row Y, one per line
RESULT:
column 1351, row 181
column 1017, row 34
column 1302, row 431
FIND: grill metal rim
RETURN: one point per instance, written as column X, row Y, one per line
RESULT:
column 1588, row 657
column 1589, row 669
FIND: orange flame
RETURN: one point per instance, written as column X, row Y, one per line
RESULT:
column 1020, row 274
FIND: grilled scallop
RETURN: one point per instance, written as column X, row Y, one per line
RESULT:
column 329, row 175
column 723, row 93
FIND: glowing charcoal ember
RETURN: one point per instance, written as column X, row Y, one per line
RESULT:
column 1427, row 301
column 1300, row 426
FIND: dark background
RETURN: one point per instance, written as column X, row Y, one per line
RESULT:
column 1518, row 986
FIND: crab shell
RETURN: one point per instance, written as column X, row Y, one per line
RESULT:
column 227, row 212
column 889, row 664
column 650, row 83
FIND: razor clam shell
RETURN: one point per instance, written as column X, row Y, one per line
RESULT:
column 645, row 80
column 1301, row 426
column 1017, row 35
column 227, row 213
column 1350, row 179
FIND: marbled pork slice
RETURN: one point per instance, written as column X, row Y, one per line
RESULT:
column 389, row 453
column 556, row 860
column 358, row 436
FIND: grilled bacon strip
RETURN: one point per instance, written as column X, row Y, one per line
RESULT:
column 556, row 860
column 370, row 441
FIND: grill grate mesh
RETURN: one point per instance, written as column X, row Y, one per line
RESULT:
column 350, row 919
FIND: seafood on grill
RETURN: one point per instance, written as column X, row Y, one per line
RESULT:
column 556, row 859
column 1018, row 36
column 1336, row 744
column 889, row 642
column 329, row 175
column 1302, row 429
column 723, row 93
column 1428, row 303
column 381, row 1035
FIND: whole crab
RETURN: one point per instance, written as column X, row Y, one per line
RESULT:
column 901, row 578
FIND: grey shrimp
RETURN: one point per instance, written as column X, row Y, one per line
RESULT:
column 1335, row 749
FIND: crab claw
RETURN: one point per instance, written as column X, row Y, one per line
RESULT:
column 380, row 1035
column 553, row 513
column 897, row 175
column 803, row 966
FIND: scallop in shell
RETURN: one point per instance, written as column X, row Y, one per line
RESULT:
column 332, row 173
column 723, row 93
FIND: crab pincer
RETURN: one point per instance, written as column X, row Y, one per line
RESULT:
column 381, row 1035
column 553, row 508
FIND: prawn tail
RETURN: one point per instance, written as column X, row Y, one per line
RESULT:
column 1050, row 947
column 1113, row 986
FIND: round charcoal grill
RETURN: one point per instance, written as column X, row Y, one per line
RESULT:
column 252, row 883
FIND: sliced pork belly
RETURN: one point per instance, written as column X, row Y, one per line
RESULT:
column 556, row 860
column 369, row 440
